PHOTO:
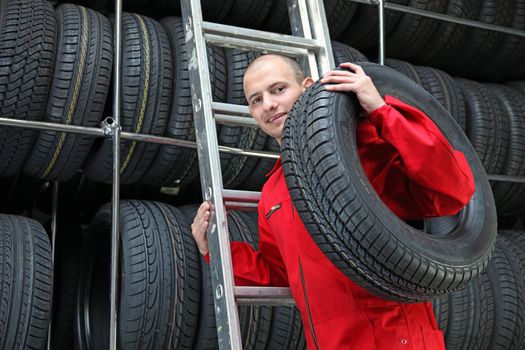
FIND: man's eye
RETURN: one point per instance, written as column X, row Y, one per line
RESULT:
column 256, row 101
column 279, row 89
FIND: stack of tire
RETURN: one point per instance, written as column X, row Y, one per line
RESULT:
column 166, row 299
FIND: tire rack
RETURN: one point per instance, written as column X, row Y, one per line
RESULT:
column 110, row 127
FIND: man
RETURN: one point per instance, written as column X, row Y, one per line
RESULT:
column 407, row 160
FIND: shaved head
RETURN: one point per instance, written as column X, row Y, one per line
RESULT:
column 290, row 62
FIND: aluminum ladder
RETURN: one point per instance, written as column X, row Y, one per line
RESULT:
column 310, row 43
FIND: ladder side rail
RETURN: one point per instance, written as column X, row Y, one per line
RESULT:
column 300, row 26
column 320, row 32
column 228, row 328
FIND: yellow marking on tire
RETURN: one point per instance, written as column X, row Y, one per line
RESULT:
column 74, row 99
column 144, row 92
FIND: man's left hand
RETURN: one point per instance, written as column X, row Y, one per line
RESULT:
column 354, row 79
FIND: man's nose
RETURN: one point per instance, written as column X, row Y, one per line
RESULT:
column 269, row 103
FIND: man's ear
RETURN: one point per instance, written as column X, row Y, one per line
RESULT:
column 307, row 82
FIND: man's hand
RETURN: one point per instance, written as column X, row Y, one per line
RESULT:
column 356, row 81
column 199, row 228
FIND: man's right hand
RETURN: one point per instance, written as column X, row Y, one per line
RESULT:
column 199, row 228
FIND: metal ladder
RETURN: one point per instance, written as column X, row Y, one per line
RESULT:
column 310, row 43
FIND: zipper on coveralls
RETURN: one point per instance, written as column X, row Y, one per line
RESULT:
column 314, row 336
column 272, row 210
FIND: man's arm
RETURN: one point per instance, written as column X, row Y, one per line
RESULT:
column 411, row 165
column 264, row 267
column 409, row 162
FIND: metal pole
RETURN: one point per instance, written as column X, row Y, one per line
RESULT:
column 54, row 210
column 446, row 18
column 115, row 231
column 381, row 8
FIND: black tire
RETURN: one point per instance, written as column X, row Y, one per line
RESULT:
column 257, row 178
column 352, row 226
column 344, row 53
column 248, row 13
column 449, row 38
column 405, row 68
column 28, row 32
column 277, row 20
column 236, row 168
column 471, row 59
column 505, row 275
column 506, row 60
column 174, row 165
column 509, row 196
column 147, row 83
column 446, row 90
column 68, row 247
column 26, row 282
column 159, row 284
column 363, row 30
column 487, row 126
column 413, row 32
column 78, row 92
column 338, row 14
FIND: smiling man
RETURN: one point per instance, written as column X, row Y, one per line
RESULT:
column 336, row 312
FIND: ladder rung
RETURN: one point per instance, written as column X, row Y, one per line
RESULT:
column 232, row 120
column 223, row 31
column 245, row 44
column 264, row 296
column 241, row 196
column 240, row 206
column 231, row 109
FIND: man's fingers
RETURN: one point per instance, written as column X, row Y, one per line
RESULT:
column 355, row 67
column 340, row 87
column 339, row 79
column 333, row 73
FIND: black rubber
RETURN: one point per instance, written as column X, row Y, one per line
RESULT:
column 159, row 280
column 449, row 38
column 78, row 92
column 67, row 274
column 487, row 126
column 248, row 13
column 363, row 30
column 509, row 196
column 277, row 20
column 413, row 32
column 350, row 223
column 26, row 283
column 471, row 58
column 338, row 14
column 508, row 291
column 405, row 68
column 257, row 178
column 446, row 90
column 28, row 31
column 506, row 60
column 175, row 165
column 147, row 84
column 345, row 53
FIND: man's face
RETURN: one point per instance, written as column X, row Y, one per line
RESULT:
column 271, row 88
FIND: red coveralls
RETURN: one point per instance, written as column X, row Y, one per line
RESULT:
column 417, row 174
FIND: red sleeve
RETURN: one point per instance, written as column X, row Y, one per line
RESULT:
column 410, row 164
column 264, row 267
